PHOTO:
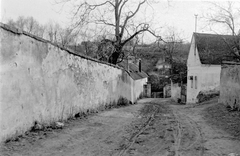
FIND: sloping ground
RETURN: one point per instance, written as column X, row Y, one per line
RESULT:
column 153, row 127
column 97, row 134
column 211, row 134
column 219, row 116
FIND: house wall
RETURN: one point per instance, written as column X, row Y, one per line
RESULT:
column 230, row 86
column 42, row 82
column 175, row 91
column 138, row 88
column 206, row 79
column 147, row 90
column 193, row 56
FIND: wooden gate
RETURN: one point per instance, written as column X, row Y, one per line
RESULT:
column 183, row 93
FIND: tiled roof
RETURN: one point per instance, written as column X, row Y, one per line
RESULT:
column 133, row 70
column 213, row 48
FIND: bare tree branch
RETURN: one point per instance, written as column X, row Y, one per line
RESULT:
column 130, row 16
column 121, row 7
column 115, row 15
column 222, row 15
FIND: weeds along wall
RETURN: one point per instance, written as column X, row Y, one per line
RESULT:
column 43, row 82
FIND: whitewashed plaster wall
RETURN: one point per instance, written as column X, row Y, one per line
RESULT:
column 41, row 82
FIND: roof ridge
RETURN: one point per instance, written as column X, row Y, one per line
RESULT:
column 209, row 34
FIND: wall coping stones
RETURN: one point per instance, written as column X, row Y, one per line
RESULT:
column 231, row 62
column 70, row 51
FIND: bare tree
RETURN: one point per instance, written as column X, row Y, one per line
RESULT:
column 11, row 23
column 170, row 43
column 20, row 23
column 28, row 24
column 52, row 31
column 227, row 14
column 31, row 25
column 131, row 46
column 59, row 35
column 90, row 48
column 116, row 16
column 67, row 36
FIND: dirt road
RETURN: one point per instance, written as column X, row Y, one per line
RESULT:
column 153, row 127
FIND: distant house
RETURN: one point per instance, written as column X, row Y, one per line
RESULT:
column 204, row 63
column 140, row 78
column 163, row 66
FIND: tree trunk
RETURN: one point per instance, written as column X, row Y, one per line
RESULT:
column 115, row 55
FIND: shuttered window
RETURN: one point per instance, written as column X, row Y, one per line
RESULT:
column 191, row 79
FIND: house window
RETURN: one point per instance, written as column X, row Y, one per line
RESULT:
column 191, row 79
column 195, row 82
column 195, row 47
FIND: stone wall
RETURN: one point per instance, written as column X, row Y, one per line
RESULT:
column 43, row 82
column 230, row 85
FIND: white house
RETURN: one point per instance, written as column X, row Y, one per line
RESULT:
column 163, row 64
column 204, row 63
column 139, row 77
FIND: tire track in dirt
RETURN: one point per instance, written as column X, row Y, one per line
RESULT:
column 164, row 148
column 177, row 137
column 178, row 130
column 155, row 137
column 153, row 127
column 133, row 138
column 195, row 142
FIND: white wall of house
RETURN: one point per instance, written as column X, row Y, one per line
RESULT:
column 193, row 56
column 137, row 88
column 201, row 77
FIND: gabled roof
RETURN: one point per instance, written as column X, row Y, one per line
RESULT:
column 133, row 70
column 213, row 48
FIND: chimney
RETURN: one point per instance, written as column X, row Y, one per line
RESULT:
column 140, row 66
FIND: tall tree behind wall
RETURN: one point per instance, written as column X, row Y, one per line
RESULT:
column 116, row 17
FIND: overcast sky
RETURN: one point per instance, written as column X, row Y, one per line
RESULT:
column 174, row 13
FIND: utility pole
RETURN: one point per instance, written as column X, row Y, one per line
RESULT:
column 196, row 22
